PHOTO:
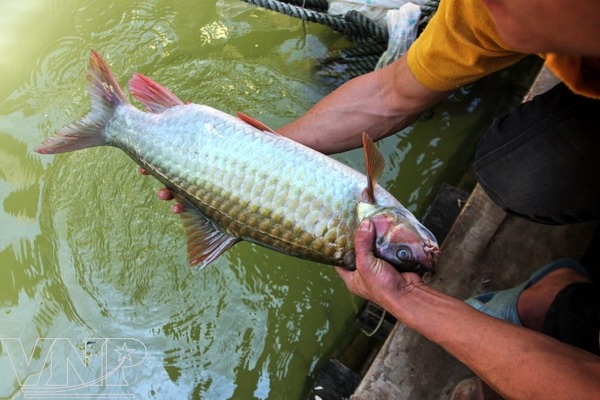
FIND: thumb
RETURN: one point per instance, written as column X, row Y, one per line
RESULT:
column 363, row 244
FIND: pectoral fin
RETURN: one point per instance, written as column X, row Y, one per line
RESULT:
column 375, row 165
column 205, row 241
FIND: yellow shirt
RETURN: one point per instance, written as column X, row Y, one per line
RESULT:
column 461, row 45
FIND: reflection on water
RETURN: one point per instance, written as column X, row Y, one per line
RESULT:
column 95, row 292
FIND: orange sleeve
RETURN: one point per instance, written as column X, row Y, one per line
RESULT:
column 459, row 45
column 580, row 74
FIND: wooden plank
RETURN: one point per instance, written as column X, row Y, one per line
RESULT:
column 485, row 250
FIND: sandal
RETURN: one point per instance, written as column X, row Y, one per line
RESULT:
column 503, row 304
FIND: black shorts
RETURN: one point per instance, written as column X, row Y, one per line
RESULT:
column 542, row 160
column 574, row 317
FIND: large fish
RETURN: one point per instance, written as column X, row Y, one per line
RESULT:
column 238, row 180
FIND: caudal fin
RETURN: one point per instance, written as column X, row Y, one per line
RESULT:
column 106, row 96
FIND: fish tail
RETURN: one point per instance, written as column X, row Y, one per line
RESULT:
column 105, row 95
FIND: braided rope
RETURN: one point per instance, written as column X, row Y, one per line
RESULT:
column 354, row 25
column 427, row 11
column 371, row 37
column 366, row 26
column 317, row 5
column 429, row 8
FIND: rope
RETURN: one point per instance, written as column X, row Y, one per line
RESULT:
column 374, row 331
column 341, row 65
column 429, row 8
column 371, row 37
column 364, row 24
column 353, row 25
column 317, row 5
column 427, row 11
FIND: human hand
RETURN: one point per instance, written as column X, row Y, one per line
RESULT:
column 165, row 194
column 374, row 279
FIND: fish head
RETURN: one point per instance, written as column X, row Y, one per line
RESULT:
column 401, row 239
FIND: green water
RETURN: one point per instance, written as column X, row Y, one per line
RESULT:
column 95, row 294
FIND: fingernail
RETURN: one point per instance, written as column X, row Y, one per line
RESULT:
column 366, row 225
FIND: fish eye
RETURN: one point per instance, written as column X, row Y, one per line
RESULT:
column 403, row 253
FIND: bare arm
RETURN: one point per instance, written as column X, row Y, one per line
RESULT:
column 517, row 362
column 379, row 103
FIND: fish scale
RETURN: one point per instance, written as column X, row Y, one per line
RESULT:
column 235, row 179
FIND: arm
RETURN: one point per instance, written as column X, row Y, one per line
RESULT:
column 458, row 46
column 380, row 103
column 517, row 362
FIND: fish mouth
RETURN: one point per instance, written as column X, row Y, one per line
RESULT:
column 432, row 252
column 419, row 257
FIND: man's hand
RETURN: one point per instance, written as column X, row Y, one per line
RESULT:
column 165, row 194
column 375, row 279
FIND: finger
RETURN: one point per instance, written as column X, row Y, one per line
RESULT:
column 363, row 244
column 345, row 274
column 352, row 280
column 165, row 194
column 143, row 171
column 177, row 208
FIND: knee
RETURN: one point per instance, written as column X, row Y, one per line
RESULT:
column 527, row 185
column 516, row 190
column 541, row 160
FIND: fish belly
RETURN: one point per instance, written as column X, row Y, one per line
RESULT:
column 254, row 185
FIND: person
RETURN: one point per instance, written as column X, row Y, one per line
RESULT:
column 539, row 162
column 517, row 361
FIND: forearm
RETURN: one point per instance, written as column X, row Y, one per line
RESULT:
column 379, row 103
column 515, row 361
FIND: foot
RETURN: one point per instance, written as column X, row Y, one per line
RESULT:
column 534, row 302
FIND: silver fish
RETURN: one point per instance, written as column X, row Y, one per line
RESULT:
column 238, row 180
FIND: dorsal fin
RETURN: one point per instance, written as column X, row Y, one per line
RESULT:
column 205, row 241
column 375, row 165
column 155, row 97
column 254, row 122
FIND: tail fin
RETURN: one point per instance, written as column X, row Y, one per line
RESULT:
column 106, row 96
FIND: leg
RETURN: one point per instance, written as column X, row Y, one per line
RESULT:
column 559, row 300
column 574, row 316
column 563, row 304
column 542, row 161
